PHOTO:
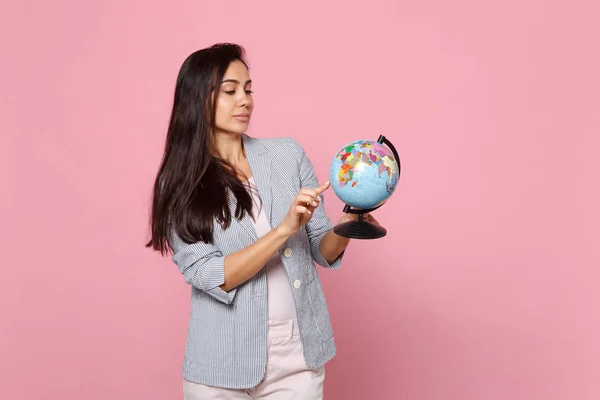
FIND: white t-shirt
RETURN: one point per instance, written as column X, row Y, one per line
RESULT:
column 280, row 299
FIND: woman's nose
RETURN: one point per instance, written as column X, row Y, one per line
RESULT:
column 244, row 99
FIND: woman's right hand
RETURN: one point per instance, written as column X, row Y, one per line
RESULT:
column 301, row 209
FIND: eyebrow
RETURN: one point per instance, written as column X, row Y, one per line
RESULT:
column 236, row 81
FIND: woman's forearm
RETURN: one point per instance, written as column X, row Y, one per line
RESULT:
column 332, row 245
column 244, row 264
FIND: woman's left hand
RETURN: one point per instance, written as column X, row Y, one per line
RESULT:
column 354, row 217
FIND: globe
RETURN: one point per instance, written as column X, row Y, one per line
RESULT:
column 364, row 174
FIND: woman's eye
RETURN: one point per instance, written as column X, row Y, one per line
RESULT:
column 232, row 92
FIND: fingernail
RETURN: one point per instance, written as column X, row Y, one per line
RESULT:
column 314, row 203
column 309, row 212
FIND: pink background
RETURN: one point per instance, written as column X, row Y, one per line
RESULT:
column 487, row 285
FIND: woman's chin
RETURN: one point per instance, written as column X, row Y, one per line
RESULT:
column 237, row 130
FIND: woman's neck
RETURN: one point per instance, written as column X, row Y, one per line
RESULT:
column 229, row 147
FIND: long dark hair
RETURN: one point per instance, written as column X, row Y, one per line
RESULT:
column 191, row 187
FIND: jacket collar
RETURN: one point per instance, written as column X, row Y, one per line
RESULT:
column 253, row 145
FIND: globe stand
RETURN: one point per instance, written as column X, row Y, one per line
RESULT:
column 362, row 229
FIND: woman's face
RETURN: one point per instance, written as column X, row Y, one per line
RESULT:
column 234, row 104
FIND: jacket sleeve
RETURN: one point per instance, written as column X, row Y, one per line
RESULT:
column 320, row 223
column 202, row 266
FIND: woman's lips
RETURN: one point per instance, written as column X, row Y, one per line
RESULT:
column 242, row 117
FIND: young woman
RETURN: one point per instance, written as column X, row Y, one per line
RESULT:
column 245, row 222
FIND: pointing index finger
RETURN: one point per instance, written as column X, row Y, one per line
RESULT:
column 322, row 188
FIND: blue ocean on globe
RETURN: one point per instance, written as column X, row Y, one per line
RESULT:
column 364, row 174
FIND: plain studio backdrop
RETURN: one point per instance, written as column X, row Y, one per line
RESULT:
column 487, row 284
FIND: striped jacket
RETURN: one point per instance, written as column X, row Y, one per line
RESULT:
column 226, row 342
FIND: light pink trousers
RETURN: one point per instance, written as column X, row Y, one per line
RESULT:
column 287, row 377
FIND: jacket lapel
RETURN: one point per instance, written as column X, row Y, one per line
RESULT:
column 245, row 222
column 259, row 160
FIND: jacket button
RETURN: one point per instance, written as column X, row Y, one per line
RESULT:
column 297, row 284
column 287, row 252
